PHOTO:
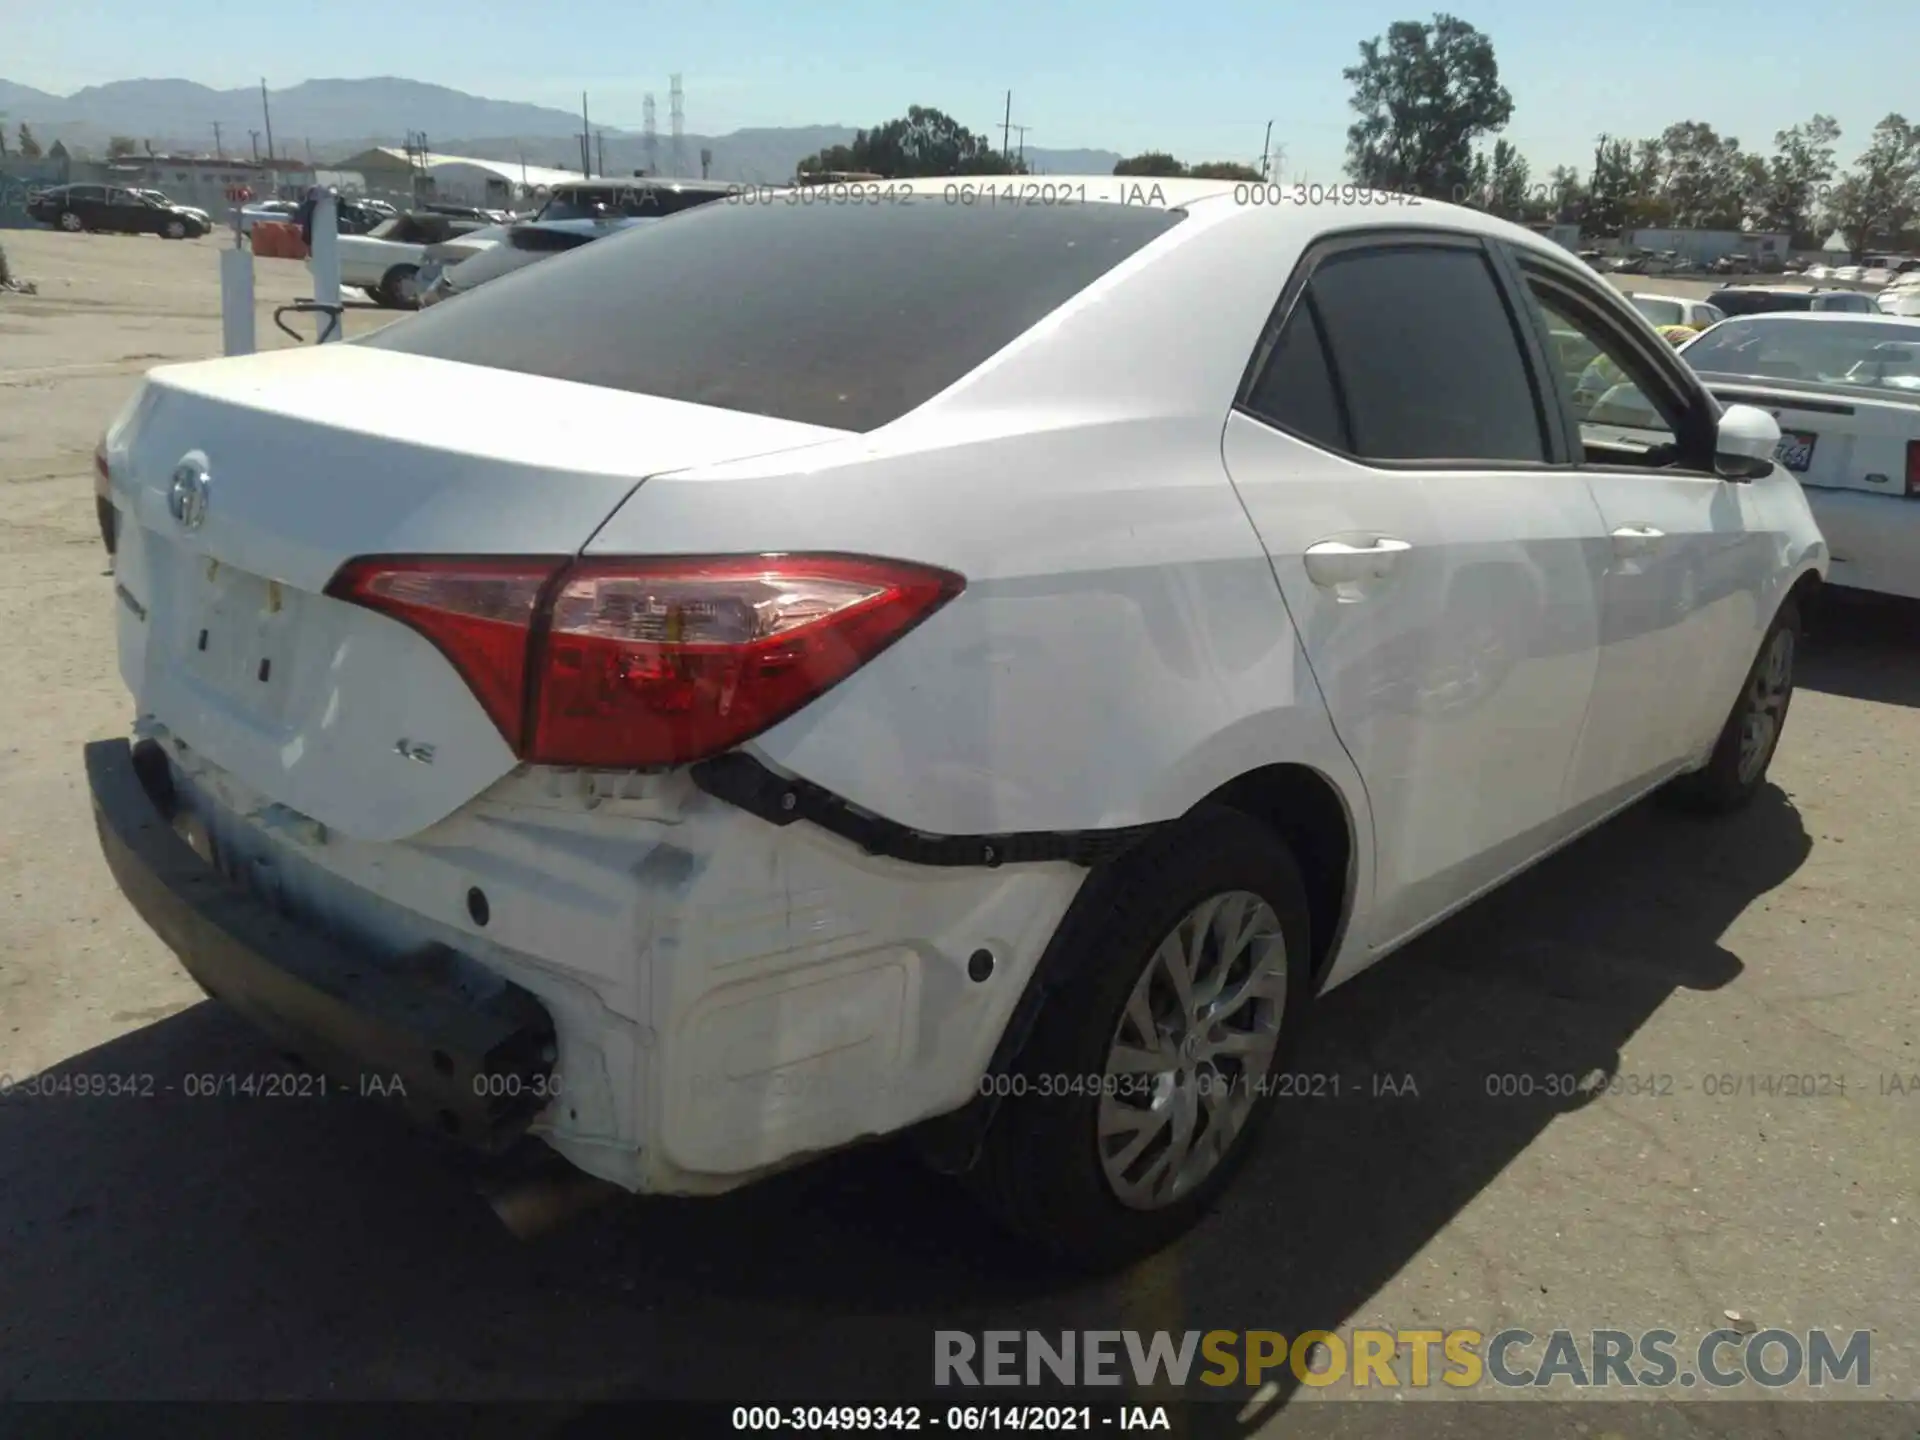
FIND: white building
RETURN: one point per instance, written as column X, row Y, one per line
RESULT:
column 1703, row 247
column 459, row 179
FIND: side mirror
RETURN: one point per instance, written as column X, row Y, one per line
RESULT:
column 1745, row 445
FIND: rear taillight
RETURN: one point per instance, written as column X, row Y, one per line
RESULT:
column 628, row 664
column 479, row 612
column 1913, row 469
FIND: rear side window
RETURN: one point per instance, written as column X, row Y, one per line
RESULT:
column 1295, row 390
column 1426, row 356
column 845, row 316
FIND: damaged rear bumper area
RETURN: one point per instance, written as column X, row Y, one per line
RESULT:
column 459, row 1048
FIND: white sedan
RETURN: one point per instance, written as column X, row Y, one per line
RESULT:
column 1676, row 310
column 386, row 261
column 985, row 678
column 1846, row 391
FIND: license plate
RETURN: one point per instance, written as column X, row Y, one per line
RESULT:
column 1795, row 450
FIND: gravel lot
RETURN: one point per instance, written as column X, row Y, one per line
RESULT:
column 175, row 1247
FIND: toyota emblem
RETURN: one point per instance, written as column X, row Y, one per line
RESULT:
column 187, row 494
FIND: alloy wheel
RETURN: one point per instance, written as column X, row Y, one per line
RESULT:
column 1191, row 1049
column 1766, row 707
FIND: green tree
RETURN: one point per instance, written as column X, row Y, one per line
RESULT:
column 1610, row 186
column 1499, row 184
column 1424, row 94
column 1879, row 197
column 922, row 142
column 121, row 145
column 29, row 147
column 1567, row 193
column 1790, row 186
column 1156, row 163
column 1223, row 170
column 1702, row 177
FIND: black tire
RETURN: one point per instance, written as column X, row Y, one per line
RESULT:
column 390, row 291
column 175, row 230
column 1732, row 777
column 1040, row 1171
column 71, row 223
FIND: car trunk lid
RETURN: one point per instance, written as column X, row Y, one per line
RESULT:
column 1836, row 439
column 296, row 462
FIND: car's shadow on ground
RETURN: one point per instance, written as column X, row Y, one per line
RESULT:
column 1865, row 647
column 193, row 1247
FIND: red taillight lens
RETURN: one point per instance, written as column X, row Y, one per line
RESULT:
column 661, row 662
column 479, row 612
column 1913, row 469
column 630, row 664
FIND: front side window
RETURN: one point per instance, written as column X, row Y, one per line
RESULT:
column 1601, row 379
column 1426, row 356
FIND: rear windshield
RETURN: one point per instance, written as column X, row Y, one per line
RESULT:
column 840, row 315
column 1759, row 302
column 1660, row 312
column 1821, row 352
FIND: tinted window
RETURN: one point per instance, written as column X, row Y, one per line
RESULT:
column 490, row 265
column 839, row 315
column 1295, row 389
column 1427, row 356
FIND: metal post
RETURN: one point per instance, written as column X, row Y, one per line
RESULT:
column 236, row 293
column 325, row 251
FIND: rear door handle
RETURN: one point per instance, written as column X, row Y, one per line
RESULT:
column 1333, row 563
column 1631, row 540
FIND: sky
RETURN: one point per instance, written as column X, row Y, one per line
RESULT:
column 1199, row 80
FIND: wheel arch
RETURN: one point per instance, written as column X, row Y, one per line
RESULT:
column 1306, row 808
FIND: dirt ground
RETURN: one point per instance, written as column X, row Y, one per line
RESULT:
column 173, row 1247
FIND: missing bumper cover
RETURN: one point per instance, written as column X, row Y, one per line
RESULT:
column 472, row 1052
column 743, row 781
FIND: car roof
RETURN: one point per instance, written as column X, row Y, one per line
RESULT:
column 1650, row 295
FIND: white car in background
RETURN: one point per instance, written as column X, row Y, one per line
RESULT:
column 976, row 669
column 1676, row 310
column 385, row 262
column 1846, row 392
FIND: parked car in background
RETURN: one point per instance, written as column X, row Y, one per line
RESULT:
column 788, row 675
column 1675, row 310
column 1846, row 391
column 115, row 209
column 1760, row 299
column 572, row 215
column 158, row 197
column 270, row 210
column 385, row 262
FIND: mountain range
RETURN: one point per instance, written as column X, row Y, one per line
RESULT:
column 330, row 119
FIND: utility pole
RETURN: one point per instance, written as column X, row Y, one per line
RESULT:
column 1006, row 129
column 267, row 114
column 586, row 128
column 218, row 153
column 600, row 150
column 1279, row 161
column 1266, row 149
column 1022, row 154
column 254, row 135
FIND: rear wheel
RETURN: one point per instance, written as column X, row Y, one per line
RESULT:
column 1738, row 767
column 1146, row 1079
column 71, row 223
